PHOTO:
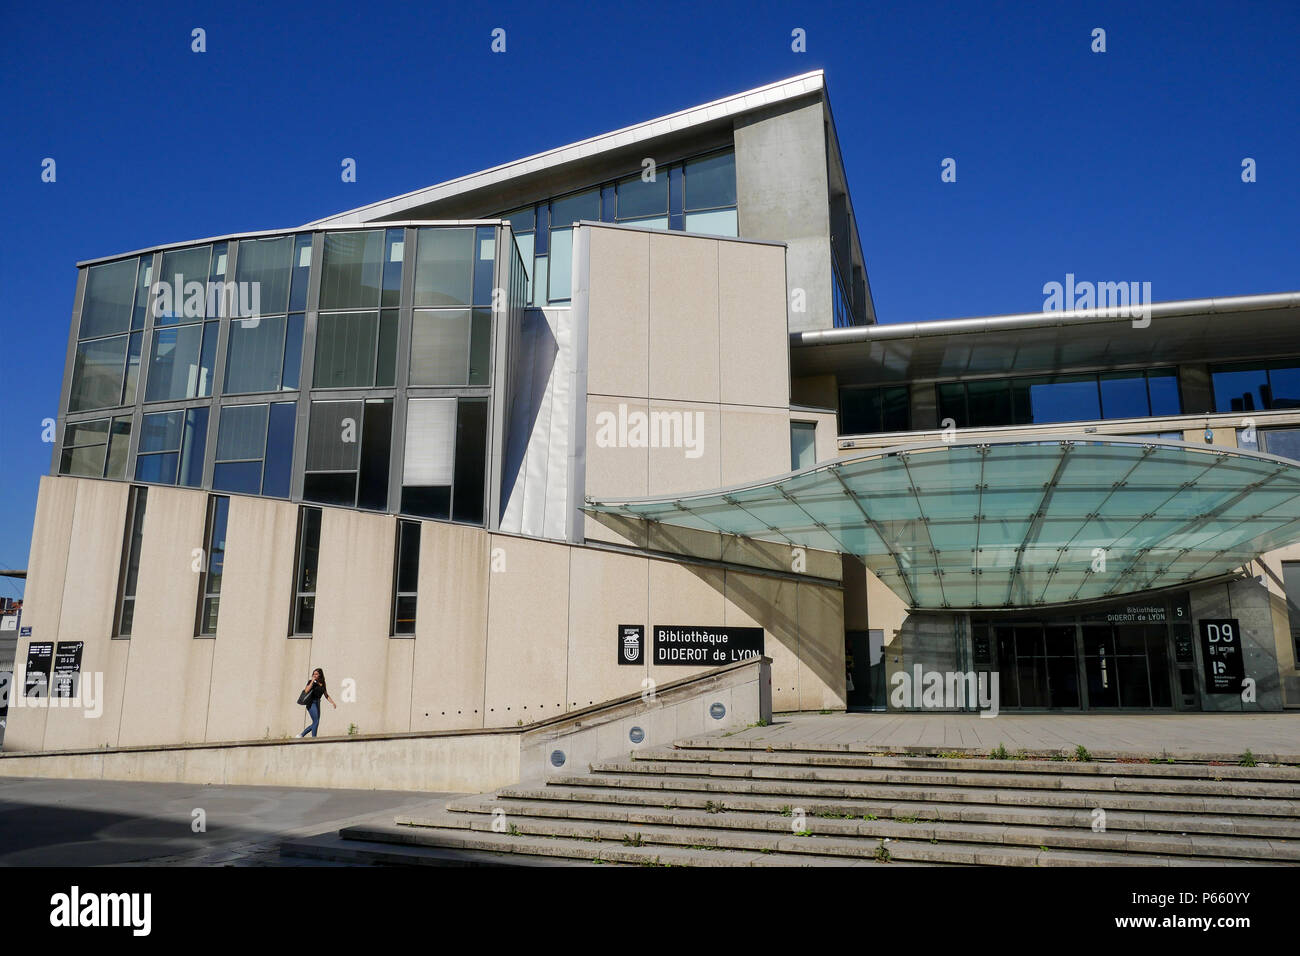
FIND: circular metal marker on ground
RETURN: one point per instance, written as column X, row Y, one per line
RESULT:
column 557, row 758
column 636, row 735
column 717, row 711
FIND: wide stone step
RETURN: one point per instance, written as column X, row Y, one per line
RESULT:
column 1227, row 763
column 629, row 802
column 612, row 841
column 969, row 779
column 331, row 848
column 1063, row 768
column 801, row 788
column 748, row 830
column 605, row 851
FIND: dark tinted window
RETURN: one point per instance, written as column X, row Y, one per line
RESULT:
column 267, row 262
column 711, row 181
column 109, row 297
column 471, row 451
column 865, row 411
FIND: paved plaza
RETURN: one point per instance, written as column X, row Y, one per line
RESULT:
column 1270, row 737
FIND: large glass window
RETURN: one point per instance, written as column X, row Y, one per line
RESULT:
column 352, row 270
column 105, row 367
column 107, row 304
column 96, row 449
column 444, row 458
column 450, row 347
column 710, row 200
column 1256, row 387
column 444, row 268
column 98, row 372
column 214, row 565
column 264, row 353
column 644, row 202
column 698, row 195
column 348, row 445
column 256, row 357
column 303, row 616
column 347, row 349
column 268, row 266
column 182, row 291
column 184, row 347
column 987, row 403
column 865, row 411
column 255, row 449
column 171, row 447
column 181, row 362
column 406, row 577
column 129, row 573
column 360, row 270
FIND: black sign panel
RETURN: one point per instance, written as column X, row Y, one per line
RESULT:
column 1221, row 654
column 39, row 656
column 1130, row 614
column 631, row 643
column 1183, row 643
column 690, row 645
column 67, row 668
column 981, row 650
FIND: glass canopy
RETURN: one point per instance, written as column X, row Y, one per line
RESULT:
column 1014, row 523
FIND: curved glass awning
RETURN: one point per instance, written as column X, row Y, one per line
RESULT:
column 998, row 524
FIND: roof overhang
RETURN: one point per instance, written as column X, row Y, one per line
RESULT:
column 1011, row 524
column 547, row 165
column 1189, row 330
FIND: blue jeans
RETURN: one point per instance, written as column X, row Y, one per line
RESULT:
column 313, row 711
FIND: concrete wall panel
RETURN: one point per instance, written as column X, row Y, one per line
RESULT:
column 605, row 590
column 528, row 624
column 353, row 618
column 619, row 329
column 684, row 363
column 753, row 341
column 169, row 670
column 43, row 598
column 257, row 671
column 89, row 599
column 451, row 627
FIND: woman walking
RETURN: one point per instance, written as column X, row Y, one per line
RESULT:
column 310, row 698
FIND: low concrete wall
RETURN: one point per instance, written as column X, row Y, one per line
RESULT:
column 447, row 761
column 731, row 697
column 455, row 762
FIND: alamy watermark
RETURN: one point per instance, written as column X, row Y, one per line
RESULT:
column 197, row 300
column 946, row 690
column 1132, row 299
column 657, row 429
column 84, row 690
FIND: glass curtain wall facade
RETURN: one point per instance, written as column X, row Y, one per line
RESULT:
column 364, row 354
column 695, row 195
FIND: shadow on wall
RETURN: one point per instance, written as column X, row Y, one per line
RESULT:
column 772, row 602
column 538, row 354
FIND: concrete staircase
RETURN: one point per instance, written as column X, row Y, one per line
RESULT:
column 715, row 802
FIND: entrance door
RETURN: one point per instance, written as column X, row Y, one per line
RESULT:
column 1127, row 665
column 865, row 666
column 1037, row 666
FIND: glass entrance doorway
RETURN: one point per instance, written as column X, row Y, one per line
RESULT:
column 1112, row 660
column 864, row 662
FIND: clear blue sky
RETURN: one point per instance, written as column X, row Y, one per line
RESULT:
column 1117, row 166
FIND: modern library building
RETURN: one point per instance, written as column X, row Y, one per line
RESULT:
column 521, row 442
